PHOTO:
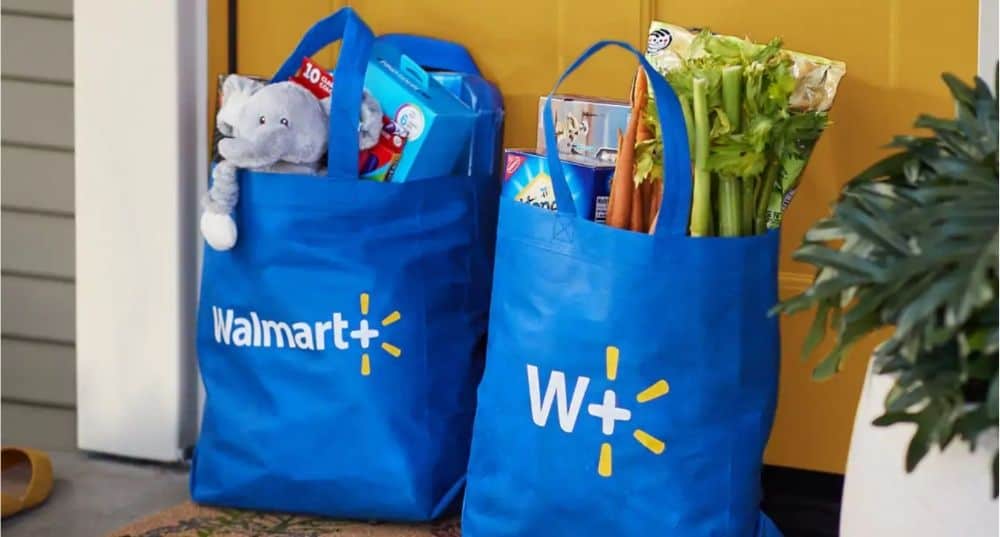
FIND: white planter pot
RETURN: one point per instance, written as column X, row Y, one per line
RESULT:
column 949, row 493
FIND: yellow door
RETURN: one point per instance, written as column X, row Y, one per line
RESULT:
column 895, row 51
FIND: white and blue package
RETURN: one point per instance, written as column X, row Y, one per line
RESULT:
column 526, row 179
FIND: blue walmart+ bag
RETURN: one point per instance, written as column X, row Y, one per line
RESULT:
column 341, row 340
column 631, row 379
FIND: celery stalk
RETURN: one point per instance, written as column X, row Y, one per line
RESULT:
column 732, row 85
column 735, row 207
column 729, row 206
column 763, row 196
column 749, row 208
column 701, row 205
column 688, row 123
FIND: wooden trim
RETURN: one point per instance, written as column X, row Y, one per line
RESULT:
column 792, row 283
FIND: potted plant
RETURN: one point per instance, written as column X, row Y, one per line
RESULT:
column 911, row 248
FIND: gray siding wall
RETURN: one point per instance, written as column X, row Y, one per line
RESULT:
column 36, row 223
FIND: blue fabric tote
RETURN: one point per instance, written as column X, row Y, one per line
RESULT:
column 341, row 340
column 631, row 379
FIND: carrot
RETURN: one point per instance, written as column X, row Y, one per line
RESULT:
column 637, row 222
column 642, row 201
column 640, row 100
column 620, row 201
column 622, row 182
column 641, row 214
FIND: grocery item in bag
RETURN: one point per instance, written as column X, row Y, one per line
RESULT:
column 279, row 127
column 437, row 126
column 382, row 140
column 816, row 78
column 586, row 127
column 754, row 113
column 526, row 179
column 454, row 68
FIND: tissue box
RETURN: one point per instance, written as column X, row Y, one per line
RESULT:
column 526, row 179
column 586, row 127
column 437, row 126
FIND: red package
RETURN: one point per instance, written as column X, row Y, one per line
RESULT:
column 376, row 162
column 314, row 78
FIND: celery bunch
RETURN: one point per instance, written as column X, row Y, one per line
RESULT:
column 749, row 146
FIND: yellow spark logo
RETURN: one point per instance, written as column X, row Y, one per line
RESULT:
column 365, row 334
column 609, row 412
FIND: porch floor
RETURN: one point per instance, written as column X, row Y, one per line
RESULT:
column 95, row 495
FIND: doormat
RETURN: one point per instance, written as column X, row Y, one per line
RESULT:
column 191, row 520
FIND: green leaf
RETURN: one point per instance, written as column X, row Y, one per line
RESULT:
column 734, row 156
column 945, row 430
column 859, row 218
column 926, row 304
column 892, row 418
column 900, row 399
column 843, row 261
column 829, row 365
column 816, row 330
column 959, row 90
column 920, row 443
column 886, row 167
column 925, row 121
column 970, row 424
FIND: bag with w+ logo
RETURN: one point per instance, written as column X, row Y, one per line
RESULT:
column 630, row 379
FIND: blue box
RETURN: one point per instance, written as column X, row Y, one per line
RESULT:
column 526, row 179
column 437, row 126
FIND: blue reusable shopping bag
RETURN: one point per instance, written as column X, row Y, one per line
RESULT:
column 630, row 379
column 341, row 340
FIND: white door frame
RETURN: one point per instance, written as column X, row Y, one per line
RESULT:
column 989, row 42
column 140, row 104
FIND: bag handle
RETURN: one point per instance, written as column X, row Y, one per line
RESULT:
column 433, row 53
column 675, row 208
column 348, row 87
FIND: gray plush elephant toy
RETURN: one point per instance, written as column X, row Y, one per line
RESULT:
column 280, row 127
